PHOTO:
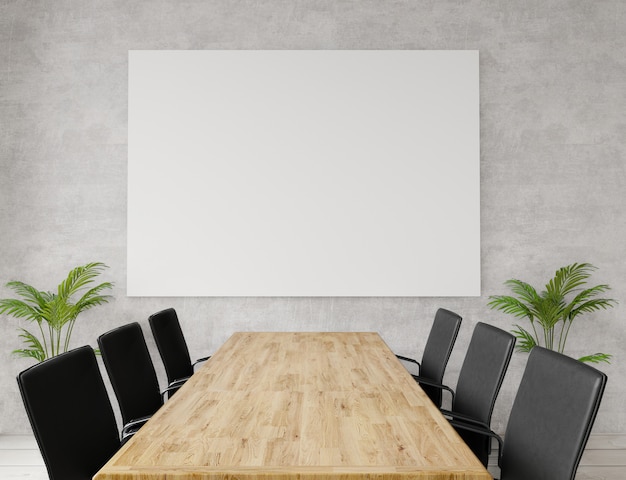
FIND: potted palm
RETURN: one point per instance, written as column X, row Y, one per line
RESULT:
column 54, row 314
column 552, row 311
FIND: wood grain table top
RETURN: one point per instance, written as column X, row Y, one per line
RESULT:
column 297, row 406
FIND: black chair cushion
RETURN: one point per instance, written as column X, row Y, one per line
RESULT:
column 486, row 362
column 438, row 349
column 131, row 371
column 70, row 413
column 551, row 417
column 171, row 344
column 482, row 372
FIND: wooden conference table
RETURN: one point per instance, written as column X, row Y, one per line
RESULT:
column 302, row 406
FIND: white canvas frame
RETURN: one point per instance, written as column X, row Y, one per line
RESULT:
column 303, row 173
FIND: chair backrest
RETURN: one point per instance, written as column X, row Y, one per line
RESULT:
column 551, row 418
column 438, row 349
column 70, row 413
column 486, row 361
column 131, row 371
column 171, row 344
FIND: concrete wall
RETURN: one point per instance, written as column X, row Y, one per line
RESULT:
column 553, row 141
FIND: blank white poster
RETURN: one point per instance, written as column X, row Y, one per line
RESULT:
column 303, row 173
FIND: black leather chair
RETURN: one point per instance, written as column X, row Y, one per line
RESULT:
column 437, row 353
column 551, row 418
column 172, row 346
column 131, row 371
column 70, row 413
column 483, row 370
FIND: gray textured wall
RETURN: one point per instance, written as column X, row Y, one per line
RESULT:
column 553, row 141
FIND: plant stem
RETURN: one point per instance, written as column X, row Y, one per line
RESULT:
column 51, row 334
column 551, row 337
column 58, row 341
column 68, row 334
column 561, row 343
column 45, row 344
column 43, row 337
column 535, row 330
column 570, row 321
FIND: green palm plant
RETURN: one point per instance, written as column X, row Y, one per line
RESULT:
column 552, row 311
column 54, row 313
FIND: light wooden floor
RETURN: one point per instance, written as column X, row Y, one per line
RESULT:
column 604, row 459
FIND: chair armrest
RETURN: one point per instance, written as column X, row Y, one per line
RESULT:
column 483, row 431
column 136, row 424
column 464, row 418
column 171, row 388
column 200, row 360
column 178, row 382
column 408, row 359
column 430, row 383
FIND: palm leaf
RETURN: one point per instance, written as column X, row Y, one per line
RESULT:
column 524, row 290
column 56, row 312
column 510, row 305
column 65, row 312
column 92, row 297
column 596, row 358
column 29, row 353
column 526, row 340
column 549, row 312
column 590, row 292
column 79, row 277
column 20, row 309
column 585, row 296
column 28, row 293
column 592, row 306
column 567, row 279
column 579, row 274
column 35, row 351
